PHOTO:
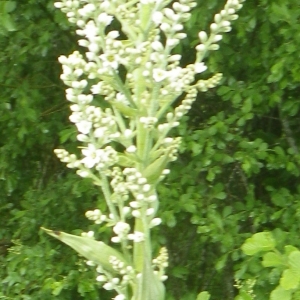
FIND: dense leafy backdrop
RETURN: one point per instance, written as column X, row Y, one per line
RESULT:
column 237, row 174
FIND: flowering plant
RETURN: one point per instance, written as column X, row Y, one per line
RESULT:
column 136, row 77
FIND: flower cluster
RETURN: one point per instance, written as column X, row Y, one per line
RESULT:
column 122, row 93
column 161, row 263
column 119, row 283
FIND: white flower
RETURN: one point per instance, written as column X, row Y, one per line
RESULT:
column 121, row 228
column 105, row 19
column 87, row 10
column 92, row 156
column 96, row 89
column 159, row 75
column 100, row 132
column 79, row 84
column 94, row 47
column 83, row 126
column 110, row 60
column 200, row 67
column 85, row 99
column 157, row 17
column 170, row 14
column 137, row 236
column 90, row 30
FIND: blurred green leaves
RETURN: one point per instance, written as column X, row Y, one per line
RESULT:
column 238, row 172
column 6, row 19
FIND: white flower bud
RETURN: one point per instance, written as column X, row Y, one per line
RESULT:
column 135, row 204
column 136, row 214
column 101, row 278
column 108, row 286
column 214, row 47
column 105, row 19
column 157, row 46
column 218, row 17
column 180, row 7
column 200, row 67
column 203, row 36
column 152, row 198
column 120, row 297
column 58, row 4
column 82, row 173
column 201, row 47
column 115, row 280
column 217, row 38
column 154, row 222
column 214, row 27
column 150, row 211
column 225, row 23
column 131, row 149
column 116, row 239
column 157, row 17
column 126, row 210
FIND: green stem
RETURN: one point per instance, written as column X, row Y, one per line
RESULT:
column 106, row 192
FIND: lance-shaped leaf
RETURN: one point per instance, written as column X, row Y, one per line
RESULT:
column 96, row 251
column 124, row 109
column 154, row 171
column 149, row 286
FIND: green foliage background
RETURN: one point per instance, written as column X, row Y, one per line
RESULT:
column 237, row 174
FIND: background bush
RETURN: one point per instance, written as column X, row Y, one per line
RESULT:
column 237, row 173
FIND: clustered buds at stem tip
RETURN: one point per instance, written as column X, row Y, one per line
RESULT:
column 126, row 144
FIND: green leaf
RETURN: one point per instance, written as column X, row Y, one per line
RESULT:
column 262, row 241
column 221, row 195
column 272, row 259
column 288, row 249
column 288, row 280
column 203, row 296
column 8, row 22
column 221, row 262
column 154, row 171
column 95, row 251
column 124, row 109
column 280, row 294
column 243, row 296
column 125, row 160
column 294, row 262
column 153, row 291
column 10, row 6
column 67, row 134
column 57, row 288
